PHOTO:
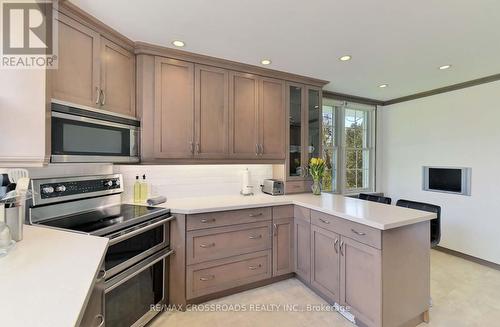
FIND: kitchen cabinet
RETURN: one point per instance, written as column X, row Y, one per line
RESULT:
column 93, row 316
column 173, row 109
column 92, row 70
column 325, row 261
column 302, row 249
column 360, row 280
column 211, row 112
column 272, row 122
column 282, row 246
column 243, row 115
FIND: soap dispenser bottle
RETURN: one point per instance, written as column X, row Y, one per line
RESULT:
column 144, row 189
column 137, row 190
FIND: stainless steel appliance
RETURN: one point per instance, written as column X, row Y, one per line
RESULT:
column 134, row 275
column 273, row 187
column 92, row 135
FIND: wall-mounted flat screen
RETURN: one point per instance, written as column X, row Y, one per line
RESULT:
column 447, row 180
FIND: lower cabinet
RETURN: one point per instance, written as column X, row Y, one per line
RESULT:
column 325, row 261
column 282, row 246
column 302, row 249
column 361, row 280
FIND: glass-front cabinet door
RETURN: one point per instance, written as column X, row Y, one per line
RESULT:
column 313, row 146
column 295, row 130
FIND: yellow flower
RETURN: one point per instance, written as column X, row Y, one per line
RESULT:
column 314, row 161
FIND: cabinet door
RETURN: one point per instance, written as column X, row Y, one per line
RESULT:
column 361, row 281
column 282, row 246
column 302, row 249
column 295, row 135
column 211, row 112
column 117, row 78
column 243, row 115
column 272, row 118
column 313, row 120
column 174, row 108
column 325, row 262
column 77, row 77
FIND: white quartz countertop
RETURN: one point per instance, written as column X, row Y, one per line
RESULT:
column 46, row 278
column 376, row 215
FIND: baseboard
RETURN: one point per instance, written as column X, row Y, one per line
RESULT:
column 468, row 257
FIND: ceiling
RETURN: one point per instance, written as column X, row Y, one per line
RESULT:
column 396, row 42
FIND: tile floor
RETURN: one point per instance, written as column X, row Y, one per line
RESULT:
column 464, row 294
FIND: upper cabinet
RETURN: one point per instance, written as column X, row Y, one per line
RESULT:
column 92, row 70
column 271, row 120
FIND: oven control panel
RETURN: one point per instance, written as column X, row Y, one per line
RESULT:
column 55, row 189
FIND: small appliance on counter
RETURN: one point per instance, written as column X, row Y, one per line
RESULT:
column 273, row 187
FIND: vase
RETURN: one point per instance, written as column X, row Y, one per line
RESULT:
column 316, row 187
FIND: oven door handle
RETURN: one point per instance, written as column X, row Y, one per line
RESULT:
column 139, row 231
column 135, row 273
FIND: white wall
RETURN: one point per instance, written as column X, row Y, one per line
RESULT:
column 179, row 181
column 22, row 117
column 460, row 128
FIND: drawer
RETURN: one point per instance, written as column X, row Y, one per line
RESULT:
column 297, row 187
column 226, row 218
column 359, row 232
column 219, row 275
column 222, row 242
column 283, row 212
column 302, row 213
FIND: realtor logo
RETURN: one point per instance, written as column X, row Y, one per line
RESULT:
column 28, row 34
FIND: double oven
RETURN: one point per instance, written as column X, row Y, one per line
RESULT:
column 133, row 278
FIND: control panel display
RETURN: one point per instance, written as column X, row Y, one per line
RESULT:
column 53, row 190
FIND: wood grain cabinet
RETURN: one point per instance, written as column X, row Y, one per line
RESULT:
column 92, row 70
column 302, row 249
column 325, row 262
column 173, row 108
column 272, row 119
column 283, row 256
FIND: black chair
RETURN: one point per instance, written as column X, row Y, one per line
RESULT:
column 374, row 198
column 435, row 223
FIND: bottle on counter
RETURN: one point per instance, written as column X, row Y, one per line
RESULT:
column 137, row 190
column 144, row 189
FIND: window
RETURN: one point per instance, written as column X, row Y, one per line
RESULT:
column 348, row 146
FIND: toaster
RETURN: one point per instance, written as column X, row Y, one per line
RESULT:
column 273, row 187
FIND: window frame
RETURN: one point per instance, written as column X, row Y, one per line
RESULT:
column 340, row 148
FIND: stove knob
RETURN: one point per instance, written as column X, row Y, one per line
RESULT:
column 47, row 190
column 60, row 188
column 117, row 182
column 108, row 183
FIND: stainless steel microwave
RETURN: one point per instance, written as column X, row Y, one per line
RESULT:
column 92, row 135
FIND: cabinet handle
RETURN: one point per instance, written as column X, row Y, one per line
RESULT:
column 191, row 147
column 207, row 278
column 97, row 100
column 197, row 148
column 103, row 102
column 255, row 267
column 101, row 319
column 275, row 229
column 206, row 221
column 342, row 247
column 207, row 245
column 261, row 149
column 357, row 233
column 335, row 245
column 255, row 237
column 255, row 214
column 324, row 221
column 256, row 149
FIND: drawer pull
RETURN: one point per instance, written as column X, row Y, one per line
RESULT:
column 255, row 237
column 207, row 278
column 255, row 214
column 205, row 220
column 255, row 267
column 324, row 221
column 357, row 233
column 207, row 245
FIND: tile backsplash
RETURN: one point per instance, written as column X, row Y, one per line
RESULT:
column 180, row 181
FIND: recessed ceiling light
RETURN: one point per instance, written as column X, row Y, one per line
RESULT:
column 345, row 58
column 383, row 86
column 178, row 43
column 444, row 67
column 265, row 61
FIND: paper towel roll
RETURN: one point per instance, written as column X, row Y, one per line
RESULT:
column 246, row 188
